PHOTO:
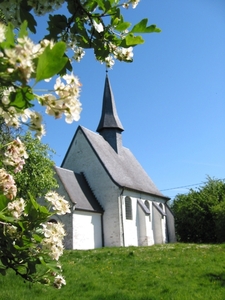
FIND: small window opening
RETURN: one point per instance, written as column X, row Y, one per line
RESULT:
column 161, row 206
column 148, row 206
column 128, row 208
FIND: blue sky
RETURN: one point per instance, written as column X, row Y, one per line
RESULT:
column 170, row 100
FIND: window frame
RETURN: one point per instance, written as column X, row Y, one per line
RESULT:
column 128, row 208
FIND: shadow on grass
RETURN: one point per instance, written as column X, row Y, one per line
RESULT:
column 217, row 278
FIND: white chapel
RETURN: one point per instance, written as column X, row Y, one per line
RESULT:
column 113, row 200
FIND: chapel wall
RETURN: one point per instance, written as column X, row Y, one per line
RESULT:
column 82, row 158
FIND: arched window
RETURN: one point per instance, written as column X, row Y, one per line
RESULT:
column 161, row 205
column 162, row 208
column 128, row 208
column 148, row 206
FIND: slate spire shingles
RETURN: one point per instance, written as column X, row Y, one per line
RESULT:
column 110, row 126
column 109, row 118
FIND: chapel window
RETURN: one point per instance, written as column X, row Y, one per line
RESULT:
column 128, row 208
column 161, row 206
column 148, row 206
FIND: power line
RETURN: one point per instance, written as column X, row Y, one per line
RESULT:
column 179, row 187
column 185, row 186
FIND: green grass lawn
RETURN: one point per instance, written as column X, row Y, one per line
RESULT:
column 172, row 271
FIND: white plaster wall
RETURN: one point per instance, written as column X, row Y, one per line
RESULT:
column 83, row 159
column 156, row 230
column 157, row 226
column 149, row 226
column 87, row 233
column 139, row 231
column 142, row 234
column 163, row 225
column 131, row 227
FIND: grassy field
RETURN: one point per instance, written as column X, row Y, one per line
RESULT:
column 172, row 271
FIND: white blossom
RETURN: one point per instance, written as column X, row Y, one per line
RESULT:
column 16, row 207
column 98, row 26
column 109, row 61
column 11, row 117
column 21, row 58
column 134, row 3
column 5, row 95
column 59, row 203
column 15, row 155
column 59, row 281
column 36, row 124
column 78, row 53
column 53, row 239
column 124, row 54
column 11, row 229
column 67, row 102
column 7, row 184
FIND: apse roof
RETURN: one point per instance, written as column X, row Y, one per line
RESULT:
column 78, row 190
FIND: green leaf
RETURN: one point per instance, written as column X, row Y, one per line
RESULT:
column 21, row 225
column 122, row 26
column 42, row 261
column 3, row 201
column 21, row 98
column 34, row 203
column 56, row 25
column 142, row 27
column 26, row 16
column 37, row 238
column 131, row 40
column 5, row 218
column 101, row 4
column 9, row 37
column 51, row 61
column 23, row 30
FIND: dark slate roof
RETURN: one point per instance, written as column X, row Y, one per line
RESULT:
column 123, row 168
column 78, row 190
column 109, row 117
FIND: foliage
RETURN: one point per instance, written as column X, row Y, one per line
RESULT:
column 22, row 62
column 199, row 215
column 29, row 243
column 37, row 175
column 94, row 24
column 171, row 271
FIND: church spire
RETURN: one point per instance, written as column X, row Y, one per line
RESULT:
column 110, row 126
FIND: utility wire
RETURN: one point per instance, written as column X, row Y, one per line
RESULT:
column 185, row 186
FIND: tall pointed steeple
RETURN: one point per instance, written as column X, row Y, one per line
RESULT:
column 110, row 126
